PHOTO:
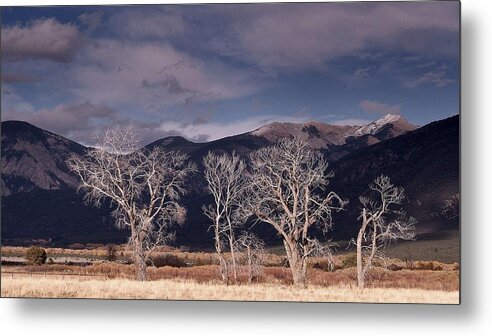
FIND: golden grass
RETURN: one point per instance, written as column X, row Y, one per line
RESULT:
column 419, row 279
column 55, row 287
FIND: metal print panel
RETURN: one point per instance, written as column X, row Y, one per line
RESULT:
column 252, row 152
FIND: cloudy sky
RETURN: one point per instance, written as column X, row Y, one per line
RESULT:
column 209, row 71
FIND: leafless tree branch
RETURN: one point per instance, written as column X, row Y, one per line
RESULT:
column 288, row 190
column 144, row 185
column 376, row 230
column 227, row 183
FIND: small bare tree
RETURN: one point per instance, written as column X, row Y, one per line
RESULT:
column 226, row 181
column 383, row 221
column 289, row 191
column 144, row 185
column 253, row 249
column 111, row 252
column 325, row 251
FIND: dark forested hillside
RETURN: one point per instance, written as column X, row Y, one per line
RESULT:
column 39, row 198
column 425, row 162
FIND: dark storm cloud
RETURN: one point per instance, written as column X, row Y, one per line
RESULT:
column 82, row 121
column 40, row 39
column 170, row 84
column 66, row 118
column 11, row 78
column 293, row 36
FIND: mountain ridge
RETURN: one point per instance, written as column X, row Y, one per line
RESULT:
column 33, row 157
column 60, row 214
column 321, row 135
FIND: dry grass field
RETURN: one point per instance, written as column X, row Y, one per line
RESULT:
column 78, row 287
column 195, row 275
column 419, row 279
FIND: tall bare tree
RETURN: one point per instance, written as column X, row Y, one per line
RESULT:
column 226, row 181
column 383, row 221
column 145, row 187
column 289, row 191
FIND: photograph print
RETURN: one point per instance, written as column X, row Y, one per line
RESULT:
column 305, row 152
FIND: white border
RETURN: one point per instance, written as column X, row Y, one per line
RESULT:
column 88, row 317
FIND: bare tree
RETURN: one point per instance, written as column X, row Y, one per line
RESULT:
column 325, row 251
column 226, row 181
column 145, row 187
column 383, row 221
column 289, row 191
column 253, row 249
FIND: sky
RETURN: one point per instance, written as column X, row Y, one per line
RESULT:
column 209, row 71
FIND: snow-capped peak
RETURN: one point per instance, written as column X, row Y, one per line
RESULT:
column 388, row 118
column 374, row 126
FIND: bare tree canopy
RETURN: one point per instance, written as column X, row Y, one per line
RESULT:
column 383, row 221
column 226, row 182
column 288, row 190
column 144, row 185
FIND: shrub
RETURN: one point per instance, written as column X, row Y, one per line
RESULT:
column 76, row 246
column 50, row 261
column 111, row 252
column 394, row 267
column 203, row 262
column 92, row 246
column 409, row 263
column 350, row 260
column 167, row 260
column 321, row 265
column 324, row 265
column 437, row 266
column 430, row 266
column 36, row 255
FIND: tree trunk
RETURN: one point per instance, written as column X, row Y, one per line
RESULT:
column 298, row 265
column 360, row 275
column 139, row 261
column 298, row 269
column 360, row 272
column 233, row 255
column 218, row 249
column 250, row 265
column 138, row 254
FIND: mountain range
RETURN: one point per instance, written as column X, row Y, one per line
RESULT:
column 39, row 198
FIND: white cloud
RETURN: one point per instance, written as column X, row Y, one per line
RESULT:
column 41, row 39
column 217, row 130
